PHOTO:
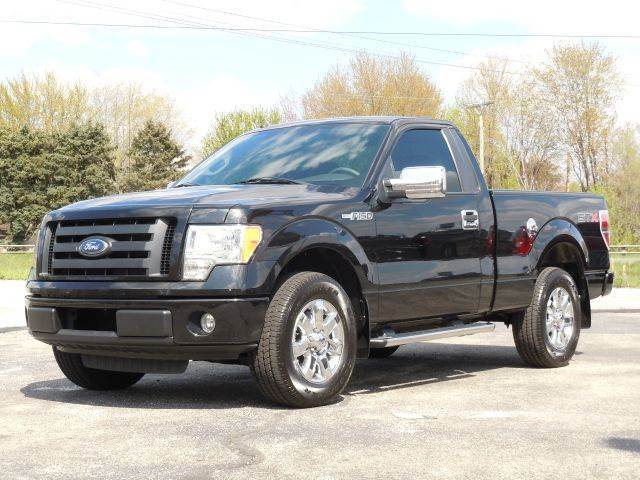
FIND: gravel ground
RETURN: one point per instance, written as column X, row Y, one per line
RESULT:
column 459, row 408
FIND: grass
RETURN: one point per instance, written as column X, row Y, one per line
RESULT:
column 627, row 270
column 15, row 266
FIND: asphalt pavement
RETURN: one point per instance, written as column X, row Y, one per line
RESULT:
column 462, row 408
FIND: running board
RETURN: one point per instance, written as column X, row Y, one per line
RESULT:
column 390, row 339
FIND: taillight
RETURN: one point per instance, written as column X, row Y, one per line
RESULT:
column 605, row 228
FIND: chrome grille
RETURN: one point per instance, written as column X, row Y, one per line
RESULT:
column 140, row 248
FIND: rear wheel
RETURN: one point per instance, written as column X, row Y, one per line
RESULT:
column 90, row 378
column 546, row 334
column 307, row 349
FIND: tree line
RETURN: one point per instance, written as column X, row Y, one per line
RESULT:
column 547, row 126
column 550, row 125
column 42, row 170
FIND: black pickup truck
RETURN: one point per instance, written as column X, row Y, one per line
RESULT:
column 298, row 248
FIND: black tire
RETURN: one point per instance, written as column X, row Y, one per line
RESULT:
column 530, row 328
column 272, row 364
column 382, row 352
column 92, row 379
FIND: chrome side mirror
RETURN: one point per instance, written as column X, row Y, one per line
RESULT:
column 418, row 183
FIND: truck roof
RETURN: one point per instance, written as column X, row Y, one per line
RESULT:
column 366, row 119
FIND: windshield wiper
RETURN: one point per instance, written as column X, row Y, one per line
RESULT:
column 273, row 180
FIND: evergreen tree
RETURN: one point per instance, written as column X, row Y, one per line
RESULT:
column 155, row 159
column 41, row 171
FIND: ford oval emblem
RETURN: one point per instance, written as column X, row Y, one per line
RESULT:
column 94, row 247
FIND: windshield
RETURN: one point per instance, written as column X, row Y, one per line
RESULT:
column 328, row 153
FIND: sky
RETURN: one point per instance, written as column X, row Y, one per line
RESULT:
column 209, row 71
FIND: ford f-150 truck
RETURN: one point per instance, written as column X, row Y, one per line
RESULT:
column 298, row 248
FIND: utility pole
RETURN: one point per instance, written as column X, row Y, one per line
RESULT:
column 480, row 109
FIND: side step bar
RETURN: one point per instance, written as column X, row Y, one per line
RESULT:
column 390, row 339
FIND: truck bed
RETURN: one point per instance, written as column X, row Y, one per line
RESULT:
column 552, row 212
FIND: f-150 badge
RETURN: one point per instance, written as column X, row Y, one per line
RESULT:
column 360, row 216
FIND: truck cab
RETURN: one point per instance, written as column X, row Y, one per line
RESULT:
column 298, row 248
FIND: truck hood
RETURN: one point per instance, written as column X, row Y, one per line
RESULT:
column 217, row 196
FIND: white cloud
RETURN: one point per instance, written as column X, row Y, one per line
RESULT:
column 150, row 79
column 223, row 93
column 15, row 39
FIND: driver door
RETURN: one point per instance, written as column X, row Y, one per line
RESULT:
column 428, row 262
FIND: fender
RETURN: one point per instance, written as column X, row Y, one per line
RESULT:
column 552, row 232
column 296, row 237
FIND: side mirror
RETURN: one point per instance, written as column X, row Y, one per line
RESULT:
column 418, row 183
column 171, row 184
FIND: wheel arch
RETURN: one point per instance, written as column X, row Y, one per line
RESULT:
column 326, row 247
column 560, row 244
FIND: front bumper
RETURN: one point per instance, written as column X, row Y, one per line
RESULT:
column 161, row 328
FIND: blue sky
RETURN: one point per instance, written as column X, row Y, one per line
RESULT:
column 208, row 71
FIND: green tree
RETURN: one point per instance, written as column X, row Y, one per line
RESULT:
column 125, row 108
column 581, row 82
column 228, row 126
column 491, row 82
column 42, row 171
column 623, row 184
column 373, row 85
column 44, row 102
column 155, row 159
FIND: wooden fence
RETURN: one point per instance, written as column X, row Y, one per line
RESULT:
column 16, row 248
column 626, row 249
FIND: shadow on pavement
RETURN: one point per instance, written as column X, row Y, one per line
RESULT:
column 626, row 444
column 203, row 386
column 421, row 364
column 231, row 386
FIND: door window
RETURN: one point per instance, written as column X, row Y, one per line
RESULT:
column 425, row 148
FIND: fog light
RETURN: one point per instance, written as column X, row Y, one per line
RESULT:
column 207, row 323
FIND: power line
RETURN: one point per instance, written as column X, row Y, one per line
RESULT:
column 351, row 35
column 343, row 32
column 249, row 32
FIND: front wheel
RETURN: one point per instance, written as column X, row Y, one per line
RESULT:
column 307, row 350
column 546, row 334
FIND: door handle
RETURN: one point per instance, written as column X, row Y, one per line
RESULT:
column 470, row 220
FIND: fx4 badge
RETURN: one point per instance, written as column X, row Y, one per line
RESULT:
column 361, row 216
column 587, row 217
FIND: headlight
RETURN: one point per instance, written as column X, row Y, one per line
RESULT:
column 209, row 245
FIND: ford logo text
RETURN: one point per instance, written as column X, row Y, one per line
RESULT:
column 93, row 247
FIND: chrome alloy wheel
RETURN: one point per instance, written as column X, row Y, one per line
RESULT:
column 560, row 319
column 317, row 342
